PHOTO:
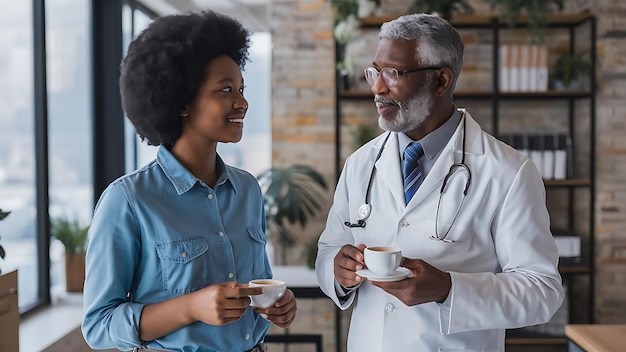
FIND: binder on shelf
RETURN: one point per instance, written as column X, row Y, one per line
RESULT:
column 536, row 152
column 514, row 67
column 542, row 68
column 561, row 157
column 533, row 73
column 505, row 65
column 548, row 156
column 524, row 67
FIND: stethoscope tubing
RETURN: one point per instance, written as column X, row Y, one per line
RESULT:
column 365, row 209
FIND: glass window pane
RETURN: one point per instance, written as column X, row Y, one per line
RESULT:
column 68, row 38
column 137, row 154
column 17, row 142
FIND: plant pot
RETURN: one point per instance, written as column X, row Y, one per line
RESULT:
column 9, row 312
column 74, row 272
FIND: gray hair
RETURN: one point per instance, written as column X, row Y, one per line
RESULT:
column 439, row 44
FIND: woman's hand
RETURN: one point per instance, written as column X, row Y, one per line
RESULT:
column 283, row 312
column 222, row 303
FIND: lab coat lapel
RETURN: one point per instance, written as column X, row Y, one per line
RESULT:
column 388, row 169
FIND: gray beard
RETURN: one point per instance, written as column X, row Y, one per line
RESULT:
column 410, row 115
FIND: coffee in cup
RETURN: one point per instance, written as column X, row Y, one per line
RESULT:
column 273, row 290
column 382, row 261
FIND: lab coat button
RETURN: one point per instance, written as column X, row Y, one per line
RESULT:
column 404, row 223
column 389, row 307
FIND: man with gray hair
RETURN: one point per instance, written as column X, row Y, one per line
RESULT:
column 467, row 211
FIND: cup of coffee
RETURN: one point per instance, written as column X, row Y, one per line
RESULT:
column 382, row 261
column 273, row 290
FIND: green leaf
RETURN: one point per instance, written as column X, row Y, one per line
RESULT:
column 291, row 194
column 71, row 234
column 4, row 214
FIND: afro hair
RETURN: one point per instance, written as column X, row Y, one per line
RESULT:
column 165, row 66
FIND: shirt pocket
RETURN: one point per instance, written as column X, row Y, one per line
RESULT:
column 259, row 271
column 185, row 266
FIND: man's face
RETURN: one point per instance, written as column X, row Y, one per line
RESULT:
column 406, row 105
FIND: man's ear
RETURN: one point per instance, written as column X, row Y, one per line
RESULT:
column 444, row 80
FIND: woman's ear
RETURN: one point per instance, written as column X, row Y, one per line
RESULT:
column 444, row 80
column 184, row 113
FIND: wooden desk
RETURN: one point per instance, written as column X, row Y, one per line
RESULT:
column 596, row 337
column 302, row 280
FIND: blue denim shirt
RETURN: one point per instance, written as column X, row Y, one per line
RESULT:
column 158, row 233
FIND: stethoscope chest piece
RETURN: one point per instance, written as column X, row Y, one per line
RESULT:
column 364, row 211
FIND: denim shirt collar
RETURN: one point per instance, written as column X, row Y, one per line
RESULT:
column 182, row 179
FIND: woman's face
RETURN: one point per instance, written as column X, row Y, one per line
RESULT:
column 218, row 111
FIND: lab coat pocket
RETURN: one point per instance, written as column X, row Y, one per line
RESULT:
column 185, row 267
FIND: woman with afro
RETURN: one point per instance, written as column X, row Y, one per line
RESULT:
column 173, row 244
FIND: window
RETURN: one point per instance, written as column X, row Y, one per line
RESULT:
column 17, row 146
column 68, row 59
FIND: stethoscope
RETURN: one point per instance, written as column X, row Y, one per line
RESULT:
column 366, row 209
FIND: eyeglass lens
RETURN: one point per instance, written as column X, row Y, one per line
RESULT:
column 390, row 76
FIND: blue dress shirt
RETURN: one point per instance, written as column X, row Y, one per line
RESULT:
column 158, row 233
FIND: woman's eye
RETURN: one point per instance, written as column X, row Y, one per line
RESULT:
column 241, row 90
column 227, row 90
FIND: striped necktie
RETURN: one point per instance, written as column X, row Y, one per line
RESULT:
column 411, row 170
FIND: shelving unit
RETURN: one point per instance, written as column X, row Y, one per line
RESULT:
column 582, row 179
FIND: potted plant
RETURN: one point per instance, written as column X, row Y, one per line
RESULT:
column 536, row 10
column 74, row 237
column 443, row 8
column 362, row 134
column 292, row 195
column 567, row 71
column 9, row 309
column 3, row 215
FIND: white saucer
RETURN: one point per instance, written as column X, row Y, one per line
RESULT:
column 399, row 274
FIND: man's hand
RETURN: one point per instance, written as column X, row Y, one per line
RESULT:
column 347, row 262
column 428, row 284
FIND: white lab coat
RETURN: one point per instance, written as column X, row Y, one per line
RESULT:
column 503, row 264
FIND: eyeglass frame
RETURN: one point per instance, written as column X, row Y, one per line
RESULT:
column 398, row 73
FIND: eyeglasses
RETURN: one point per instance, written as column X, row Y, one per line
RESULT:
column 391, row 76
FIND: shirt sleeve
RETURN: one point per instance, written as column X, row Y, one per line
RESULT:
column 110, row 319
column 335, row 235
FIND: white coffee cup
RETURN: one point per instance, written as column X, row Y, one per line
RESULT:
column 382, row 261
column 273, row 290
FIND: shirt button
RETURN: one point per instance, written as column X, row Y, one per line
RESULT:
column 404, row 223
column 389, row 307
column 230, row 275
column 248, row 337
column 210, row 196
column 221, row 234
column 184, row 255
